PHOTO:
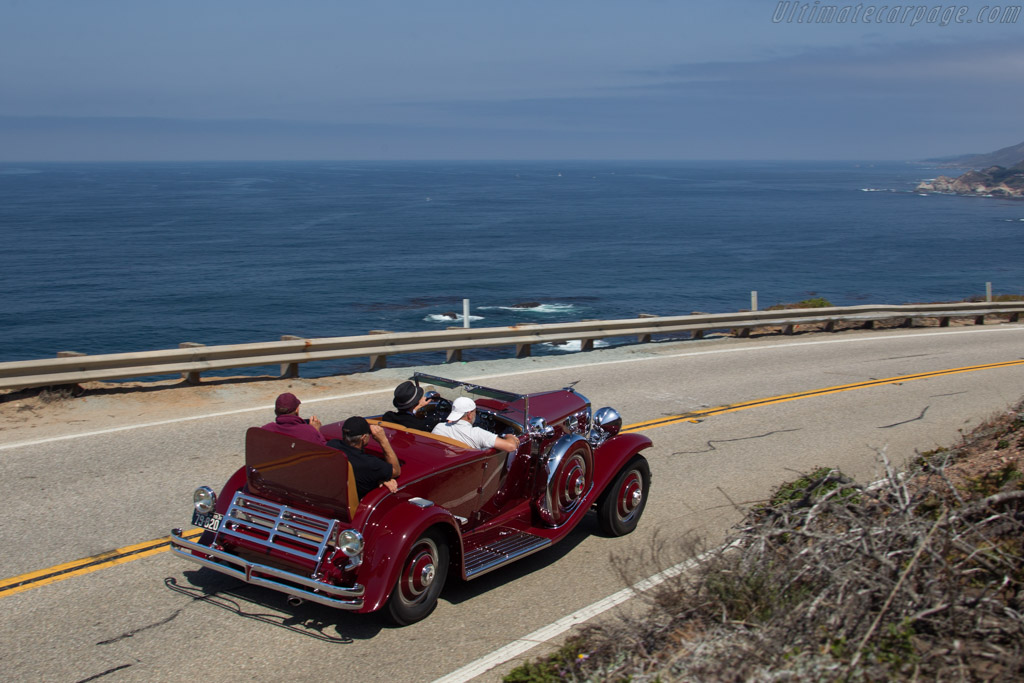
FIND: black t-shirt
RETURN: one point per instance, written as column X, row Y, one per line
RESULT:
column 370, row 471
column 406, row 420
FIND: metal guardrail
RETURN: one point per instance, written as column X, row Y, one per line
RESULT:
column 192, row 360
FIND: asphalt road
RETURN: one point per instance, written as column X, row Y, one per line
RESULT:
column 116, row 485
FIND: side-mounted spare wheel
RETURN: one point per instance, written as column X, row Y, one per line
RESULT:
column 420, row 580
column 619, row 508
column 568, row 476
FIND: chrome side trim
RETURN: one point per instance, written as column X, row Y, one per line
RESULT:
column 347, row 598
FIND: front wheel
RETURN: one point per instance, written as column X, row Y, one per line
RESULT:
column 620, row 507
column 420, row 581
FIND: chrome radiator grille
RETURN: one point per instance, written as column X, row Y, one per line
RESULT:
column 302, row 535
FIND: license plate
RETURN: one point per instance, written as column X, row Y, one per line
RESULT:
column 210, row 520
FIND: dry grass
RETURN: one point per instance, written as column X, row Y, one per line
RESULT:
column 917, row 577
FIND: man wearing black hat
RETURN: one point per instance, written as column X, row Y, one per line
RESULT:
column 408, row 401
column 370, row 471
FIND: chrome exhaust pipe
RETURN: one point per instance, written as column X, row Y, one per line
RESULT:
column 295, row 600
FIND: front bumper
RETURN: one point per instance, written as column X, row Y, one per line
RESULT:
column 346, row 598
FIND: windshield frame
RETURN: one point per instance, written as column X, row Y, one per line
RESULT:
column 468, row 387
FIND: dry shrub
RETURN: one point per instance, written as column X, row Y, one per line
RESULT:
column 912, row 578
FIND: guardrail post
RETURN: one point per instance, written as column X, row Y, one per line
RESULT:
column 830, row 326
column 523, row 350
column 753, row 299
column 644, row 338
column 379, row 361
column 465, row 313
column 289, row 370
column 697, row 334
column 988, row 292
column 979, row 319
column 194, row 376
column 453, row 356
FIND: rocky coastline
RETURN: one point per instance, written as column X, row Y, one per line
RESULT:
column 994, row 181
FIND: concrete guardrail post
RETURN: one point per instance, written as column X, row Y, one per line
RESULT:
column 194, row 376
column 379, row 361
column 645, row 338
column 289, row 370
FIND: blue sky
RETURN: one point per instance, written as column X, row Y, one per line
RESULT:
column 489, row 79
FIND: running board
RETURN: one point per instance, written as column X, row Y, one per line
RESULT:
column 510, row 545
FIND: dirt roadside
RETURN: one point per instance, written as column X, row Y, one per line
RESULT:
column 37, row 414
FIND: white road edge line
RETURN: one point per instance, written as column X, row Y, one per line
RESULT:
column 144, row 425
column 541, row 635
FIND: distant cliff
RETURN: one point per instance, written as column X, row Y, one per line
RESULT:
column 1006, row 157
column 995, row 181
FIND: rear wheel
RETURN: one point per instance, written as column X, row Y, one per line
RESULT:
column 420, row 581
column 620, row 507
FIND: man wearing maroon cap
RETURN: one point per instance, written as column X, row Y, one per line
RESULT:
column 288, row 421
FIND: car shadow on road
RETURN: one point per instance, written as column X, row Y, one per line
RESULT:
column 309, row 619
column 330, row 625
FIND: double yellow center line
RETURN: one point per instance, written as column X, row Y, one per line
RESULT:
column 130, row 553
column 85, row 565
column 698, row 415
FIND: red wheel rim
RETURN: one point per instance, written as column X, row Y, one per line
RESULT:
column 419, row 570
column 630, row 496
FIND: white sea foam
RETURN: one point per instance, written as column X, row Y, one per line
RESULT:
column 442, row 318
column 541, row 308
column 574, row 345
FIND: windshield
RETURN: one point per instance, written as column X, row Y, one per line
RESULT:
column 466, row 387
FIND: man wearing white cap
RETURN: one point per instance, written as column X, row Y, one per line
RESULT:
column 460, row 427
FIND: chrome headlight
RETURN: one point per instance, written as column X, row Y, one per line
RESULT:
column 578, row 423
column 538, row 428
column 608, row 420
column 350, row 542
column 204, row 500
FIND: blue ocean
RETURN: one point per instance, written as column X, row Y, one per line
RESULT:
column 106, row 258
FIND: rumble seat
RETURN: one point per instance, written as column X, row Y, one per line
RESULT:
column 281, row 467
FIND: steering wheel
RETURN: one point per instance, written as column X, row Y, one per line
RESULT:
column 436, row 411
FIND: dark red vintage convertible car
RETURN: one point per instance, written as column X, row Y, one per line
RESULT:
column 290, row 519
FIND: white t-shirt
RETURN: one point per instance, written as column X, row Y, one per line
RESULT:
column 461, row 430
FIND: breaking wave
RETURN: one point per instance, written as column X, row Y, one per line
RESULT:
column 450, row 318
column 531, row 308
column 573, row 346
